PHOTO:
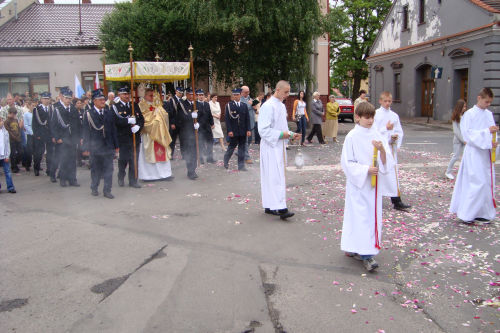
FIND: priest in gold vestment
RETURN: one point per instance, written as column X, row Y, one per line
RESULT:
column 154, row 155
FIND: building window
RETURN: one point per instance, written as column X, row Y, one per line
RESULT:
column 397, row 87
column 405, row 18
column 88, row 79
column 421, row 12
column 24, row 83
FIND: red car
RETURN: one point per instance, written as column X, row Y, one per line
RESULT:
column 346, row 109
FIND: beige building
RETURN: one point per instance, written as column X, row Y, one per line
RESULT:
column 42, row 47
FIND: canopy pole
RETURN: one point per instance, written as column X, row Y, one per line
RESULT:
column 104, row 71
column 132, row 92
column 195, row 120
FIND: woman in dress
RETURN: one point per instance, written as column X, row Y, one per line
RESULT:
column 216, row 113
column 332, row 121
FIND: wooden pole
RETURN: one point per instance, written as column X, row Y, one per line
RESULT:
column 104, row 71
column 132, row 92
column 157, row 58
column 195, row 120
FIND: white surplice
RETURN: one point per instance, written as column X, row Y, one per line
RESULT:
column 272, row 122
column 473, row 192
column 358, row 230
column 382, row 116
column 151, row 171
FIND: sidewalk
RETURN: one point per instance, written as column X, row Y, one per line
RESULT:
column 439, row 124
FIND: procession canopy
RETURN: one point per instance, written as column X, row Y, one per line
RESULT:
column 154, row 72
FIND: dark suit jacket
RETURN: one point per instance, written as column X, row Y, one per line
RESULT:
column 172, row 107
column 205, row 117
column 184, row 121
column 69, row 134
column 124, row 131
column 237, row 119
column 40, row 117
column 97, row 141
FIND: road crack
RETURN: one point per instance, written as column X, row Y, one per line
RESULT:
column 108, row 287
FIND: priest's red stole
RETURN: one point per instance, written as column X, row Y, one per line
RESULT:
column 160, row 154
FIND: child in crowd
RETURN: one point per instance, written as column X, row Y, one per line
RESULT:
column 362, row 227
column 4, row 157
column 12, row 126
column 473, row 196
column 458, row 140
column 388, row 124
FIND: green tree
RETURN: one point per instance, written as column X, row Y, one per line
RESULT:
column 353, row 26
column 257, row 40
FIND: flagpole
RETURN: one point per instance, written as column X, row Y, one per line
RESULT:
column 195, row 120
column 132, row 92
column 104, row 71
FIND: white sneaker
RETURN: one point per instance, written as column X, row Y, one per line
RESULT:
column 449, row 176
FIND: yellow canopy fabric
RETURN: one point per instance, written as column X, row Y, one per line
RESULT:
column 149, row 71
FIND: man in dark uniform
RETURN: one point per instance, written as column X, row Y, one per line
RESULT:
column 65, row 128
column 172, row 108
column 206, row 121
column 56, row 149
column 127, row 126
column 184, row 122
column 41, row 133
column 100, row 139
column 238, row 129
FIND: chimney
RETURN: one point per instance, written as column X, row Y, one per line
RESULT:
column 48, row 1
column 86, row 1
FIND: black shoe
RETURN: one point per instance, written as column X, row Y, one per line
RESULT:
column 134, row 185
column 226, row 166
column 108, row 195
column 271, row 212
column 168, row 179
column 286, row 215
column 193, row 176
column 12, row 191
column 212, row 161
column 62, row 183
column 37, row 173
column 401, row 206
column 243, row 169
column 52, row 179
column 74, row 184
column 95, row 193
column 28, row 169
column 202, row 162
column 121, row 182
column 15, row 170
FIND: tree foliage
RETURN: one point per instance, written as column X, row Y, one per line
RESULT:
column 353, row 26
column 257, row 40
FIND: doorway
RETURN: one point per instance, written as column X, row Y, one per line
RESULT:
column 426, row 85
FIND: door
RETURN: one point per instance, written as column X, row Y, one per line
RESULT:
column 464, row 84
column 427, row 97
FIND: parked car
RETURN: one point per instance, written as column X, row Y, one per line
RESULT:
column 346, row 109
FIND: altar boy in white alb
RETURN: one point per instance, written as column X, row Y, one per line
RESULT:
column 473, row 196
column 274, row 133
column 388, row 124
column 362, row 227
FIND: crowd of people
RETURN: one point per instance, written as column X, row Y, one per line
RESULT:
column 144, row 134
column 69, row 131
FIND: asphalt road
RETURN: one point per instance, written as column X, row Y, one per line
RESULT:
column 201, row 256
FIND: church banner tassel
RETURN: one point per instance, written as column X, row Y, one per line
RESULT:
column 492, row 191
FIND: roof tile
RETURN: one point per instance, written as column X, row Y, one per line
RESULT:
column 54, row 26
